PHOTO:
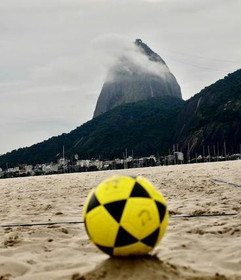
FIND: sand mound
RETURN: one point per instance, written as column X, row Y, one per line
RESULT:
column 206, row 245
column 134, row 268
column 149, row 267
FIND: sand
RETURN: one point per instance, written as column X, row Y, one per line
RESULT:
column 192, row 248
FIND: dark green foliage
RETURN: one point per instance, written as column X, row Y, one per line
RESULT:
column 146, row 127
column 212, row 117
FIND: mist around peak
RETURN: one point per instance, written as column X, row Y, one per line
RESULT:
column 134, row 73
column 120, row 54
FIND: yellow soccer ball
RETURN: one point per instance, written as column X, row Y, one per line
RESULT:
column 125, row 216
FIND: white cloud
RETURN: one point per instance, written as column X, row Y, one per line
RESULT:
column 114, row 49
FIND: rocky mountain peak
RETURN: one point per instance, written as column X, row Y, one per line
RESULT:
column 135, row 78
column 149, row 52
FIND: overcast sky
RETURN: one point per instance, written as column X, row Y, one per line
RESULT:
column 54, row 55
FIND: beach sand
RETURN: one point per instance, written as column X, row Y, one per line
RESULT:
column 192, row 248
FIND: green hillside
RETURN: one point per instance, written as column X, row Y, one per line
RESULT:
column 146, row 127
column 213, row 117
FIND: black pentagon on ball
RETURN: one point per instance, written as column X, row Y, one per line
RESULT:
column 151, row 239
column 93, row 202
column 161, row 209
column 115, row 209
column 139, row 191
column 124, row 238
column 107, row 250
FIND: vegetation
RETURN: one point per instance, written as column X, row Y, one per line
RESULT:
column 145, row 127
column 210, row 118
column 213, row 116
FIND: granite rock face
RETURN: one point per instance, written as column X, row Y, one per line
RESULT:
column 210, row 121
column 137, row 77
